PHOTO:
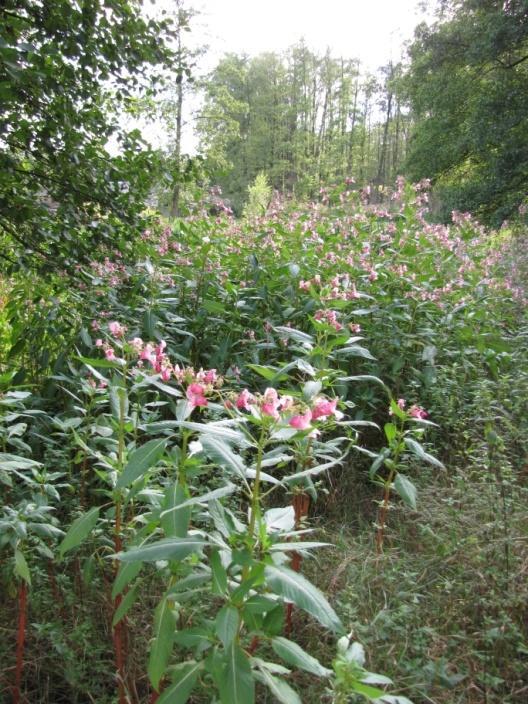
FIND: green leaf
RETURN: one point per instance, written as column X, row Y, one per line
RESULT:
column 280, row 689
column 372, row 693
column 294, row 334
column 237, row 685
column 176, row 516
column 8, row 461
column 226, row 624
column 312, row 470
column 161, row 648
column 184, row 677
column 21, row 567
column 353, row 351
column 217, row 430
column 418, row 450
column 219, row 574
column 165, row 549
column 268, row 373
column 294, row 655
column 274, row 621
column 222, row 454
column 101, row 363
column 406, row 489
column 79, row 530
column 296, row 588
column 311, row 389
column 140, row 461
column 390, row 431
column 127, row 572
column 202, row 499
column 126, row 604
column 363, row 377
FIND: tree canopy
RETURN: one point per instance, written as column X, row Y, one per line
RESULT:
column 66, row 69
column 467, row 85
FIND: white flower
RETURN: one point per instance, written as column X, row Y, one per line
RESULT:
column 195, row 447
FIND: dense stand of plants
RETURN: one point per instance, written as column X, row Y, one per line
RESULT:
column 169, row 427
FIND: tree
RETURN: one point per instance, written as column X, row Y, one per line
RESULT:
column 66, row 70
column 467, row 88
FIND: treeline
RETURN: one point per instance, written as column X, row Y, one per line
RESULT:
column 455, row 111
column 302, row 118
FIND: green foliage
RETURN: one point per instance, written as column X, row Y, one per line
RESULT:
column 67, row 69
column 259, row 197
column 470, row 107
column 204, row 397
column 303, row 119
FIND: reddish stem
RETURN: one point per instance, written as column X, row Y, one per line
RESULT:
column 22, row 616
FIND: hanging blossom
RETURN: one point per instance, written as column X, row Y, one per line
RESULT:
column 198, row 384
column 285, row 409
column 328, row 316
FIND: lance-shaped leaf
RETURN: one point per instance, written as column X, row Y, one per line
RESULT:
column 175, row 523
column 237, row 685
column 222, row 454
column 294, row 655
column 161, row 648
column 226, row 624
column 165, row 549
column 406, row 489
column 125, row 605
column 280, row 689
column 418, row 450
column 202, row 499
column 293, row 334
column 21, row 567
column 312, row 471
column 127, row 572
column 79, row 530
column 184, row 678
column 140, row 461
column 294, row 587
column 353, row 351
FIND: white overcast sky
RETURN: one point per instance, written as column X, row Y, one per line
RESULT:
column 373, row 31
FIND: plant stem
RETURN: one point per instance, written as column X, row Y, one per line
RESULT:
column 119, row 635
column 380, row 535
column 22, row 616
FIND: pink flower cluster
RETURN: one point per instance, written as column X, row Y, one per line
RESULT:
column 328, row 316
column 414, row 411
column 286, row 409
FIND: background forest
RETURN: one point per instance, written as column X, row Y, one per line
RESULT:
column 262, row 405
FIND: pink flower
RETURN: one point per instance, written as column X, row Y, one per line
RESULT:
column 286, row 403
column 110, row 354
column 244, row 400
column 270, row 404
column 137, row 344
column 301, row 422
column 401, row 403
column 195, row 394
column 324, row 408
column 417, row 412
column 166, row 373
column 116, row 329
column 148, row 354
column 98, row 342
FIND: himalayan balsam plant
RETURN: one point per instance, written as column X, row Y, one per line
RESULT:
column 189, row 497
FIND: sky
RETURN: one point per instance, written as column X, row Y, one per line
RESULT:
column 373, row 31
